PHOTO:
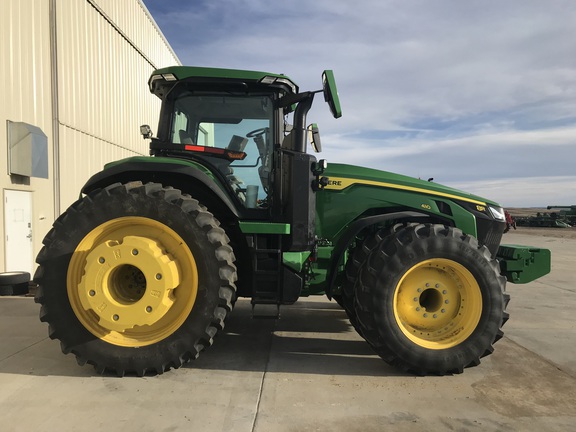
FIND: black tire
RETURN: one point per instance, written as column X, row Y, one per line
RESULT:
column 115, row 227
column 357, row 257
column 6, row 290
column 14, row 278
column 429, row 300
column 21, row 288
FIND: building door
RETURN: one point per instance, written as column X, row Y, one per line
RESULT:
column 18, row 230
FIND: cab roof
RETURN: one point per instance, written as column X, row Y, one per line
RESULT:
column 163, row 79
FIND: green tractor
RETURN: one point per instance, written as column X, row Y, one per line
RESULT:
column 140, row 273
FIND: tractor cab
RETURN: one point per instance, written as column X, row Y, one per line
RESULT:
column 235, row 124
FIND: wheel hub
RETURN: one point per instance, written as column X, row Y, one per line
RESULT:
column 128, row 283
column 434, row 305
column 438, row 303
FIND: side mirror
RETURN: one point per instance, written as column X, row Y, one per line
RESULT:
column 331, row 93
column 145, row 131
column 314, row 137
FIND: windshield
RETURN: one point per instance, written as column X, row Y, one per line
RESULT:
column 235, row 122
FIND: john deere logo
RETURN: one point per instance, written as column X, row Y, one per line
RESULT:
column 335, row 182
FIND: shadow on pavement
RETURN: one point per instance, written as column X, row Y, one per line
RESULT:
column 310, row 337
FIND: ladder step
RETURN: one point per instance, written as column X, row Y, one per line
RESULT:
column 267, row 272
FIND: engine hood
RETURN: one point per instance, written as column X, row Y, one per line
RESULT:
column 342, row 176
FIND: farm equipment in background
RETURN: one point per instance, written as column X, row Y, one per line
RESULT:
column 563, row 219
column 567, row 214
column 139, row 275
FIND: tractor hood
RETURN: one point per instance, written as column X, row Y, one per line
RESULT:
column 342, row 176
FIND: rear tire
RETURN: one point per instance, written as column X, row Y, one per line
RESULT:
column 135, row 278
column 431, row 301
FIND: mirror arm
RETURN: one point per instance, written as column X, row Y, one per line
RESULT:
column 291, row 99
column 300, row 122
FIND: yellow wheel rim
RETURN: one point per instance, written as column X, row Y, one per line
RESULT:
column 132, row 281
column 438, row 304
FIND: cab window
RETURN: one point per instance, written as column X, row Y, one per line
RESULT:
column 236, row 122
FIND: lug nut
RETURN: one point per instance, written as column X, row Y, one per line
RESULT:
column 115, row 317
column 158, row 276
column 101, row 260
column 92, row 293
column 134, row 252
column 148, row 309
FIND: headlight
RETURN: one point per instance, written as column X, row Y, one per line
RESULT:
column 271, row 79
column 497, row 213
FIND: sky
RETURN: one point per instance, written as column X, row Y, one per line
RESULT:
column 479, row 95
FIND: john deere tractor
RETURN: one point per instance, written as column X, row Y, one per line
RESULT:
column 139, row 275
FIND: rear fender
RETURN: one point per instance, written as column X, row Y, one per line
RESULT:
column 188, row 179
column 201, row 186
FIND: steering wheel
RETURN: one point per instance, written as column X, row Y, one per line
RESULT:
column 264, row 169
column 257, row 132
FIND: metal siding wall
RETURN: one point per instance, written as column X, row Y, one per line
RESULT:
column 135, row 21
column 89, row 152
column 102, row 90
column 25, row 73
column 26, row 60
column 102, row 86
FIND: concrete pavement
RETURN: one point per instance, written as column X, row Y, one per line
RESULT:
column 308, row 371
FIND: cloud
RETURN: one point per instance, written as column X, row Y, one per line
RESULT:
column 508, row 153
column 459, row 91
column 525, row 191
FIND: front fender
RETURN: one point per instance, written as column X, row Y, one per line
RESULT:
column 352, row 231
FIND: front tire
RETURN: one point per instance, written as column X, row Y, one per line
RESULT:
column 135, row 278
column 430, row 300
column 357, row 257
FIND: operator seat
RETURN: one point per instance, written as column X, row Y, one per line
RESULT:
column 185, row 137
